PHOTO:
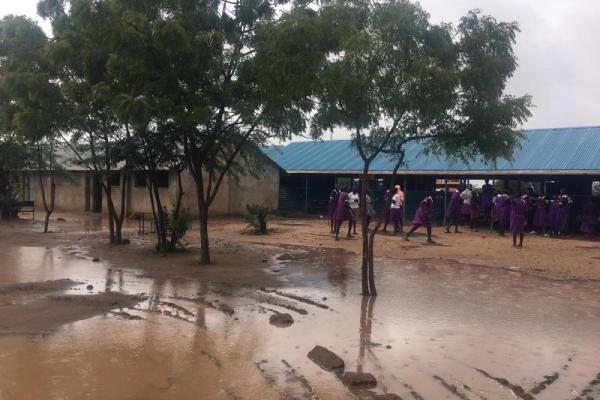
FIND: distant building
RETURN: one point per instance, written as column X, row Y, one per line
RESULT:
column 548, row 159
column 78, row 189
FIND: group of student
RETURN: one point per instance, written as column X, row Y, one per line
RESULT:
column 549, row 215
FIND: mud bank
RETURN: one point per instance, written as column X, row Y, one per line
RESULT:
column 46, row 315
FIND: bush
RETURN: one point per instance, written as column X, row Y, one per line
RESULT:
column 8, row 208
column 179, row 225
column 256, row 217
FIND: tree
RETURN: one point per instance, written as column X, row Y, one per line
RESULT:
column 80, row 52
column 13, row 161
column 31, row 99
column 259, row 65
column 397, row 78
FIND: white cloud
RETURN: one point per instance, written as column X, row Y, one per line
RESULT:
column 557, row 50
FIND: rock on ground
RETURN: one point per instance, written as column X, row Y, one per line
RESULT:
column 281, row 320
column 326, row 359
column 359, row 379
column 387, row 396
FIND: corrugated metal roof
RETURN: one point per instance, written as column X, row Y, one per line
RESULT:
column 542, row 150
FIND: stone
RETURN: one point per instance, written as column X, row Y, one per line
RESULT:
column 387, row 396
column 281, row 320
column 61, row 219
column 326, row 359
column 95, row 259
column 359, row 379
column 125, row 241
column 90, row 287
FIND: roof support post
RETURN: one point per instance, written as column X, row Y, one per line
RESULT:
column 405, row 199
column 306, row 194
column 445, row 199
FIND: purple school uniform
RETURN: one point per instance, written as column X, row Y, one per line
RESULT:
column 333, row 198
column 498, row 208
column 454, row 208
column 342, row 210
column 506, row 211
column 423, row 214
column 518, row 215
column 539, row 218
column 487, row 197
column 552, row 214
column 589, row 218
column 563, row 214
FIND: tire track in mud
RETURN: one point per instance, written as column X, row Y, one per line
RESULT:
column 294, row 297
column 515, row 389
column 592, row 391
column 295, row 385
column 452, row 388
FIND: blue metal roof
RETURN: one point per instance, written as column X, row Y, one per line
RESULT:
column 561, row 150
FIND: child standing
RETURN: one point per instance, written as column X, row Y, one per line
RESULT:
column 518, row 218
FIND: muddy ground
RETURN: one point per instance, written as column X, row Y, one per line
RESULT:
column 469, row 318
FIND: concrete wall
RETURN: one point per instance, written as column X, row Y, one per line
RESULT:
column 70, row 191
column 231, row 199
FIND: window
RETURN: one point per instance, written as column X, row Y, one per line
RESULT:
column 140, row 179
column 162, row 179
column 115, row 179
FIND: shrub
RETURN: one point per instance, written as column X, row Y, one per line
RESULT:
column 178, row 225
column 256, row 217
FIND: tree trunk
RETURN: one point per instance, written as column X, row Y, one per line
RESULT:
column 368, row 264
column 49, row 208
column 204, row 244
column 368, row 277
column 173, row 240
column 120, row 219
column 111, row 212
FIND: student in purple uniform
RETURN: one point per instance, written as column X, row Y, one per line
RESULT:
column 333, row 198
column 453, row 212
column 504, row 213
column 551, row 216
column 539, row 218
column 487, row 197
column 475, row 210
column 518, row 218
column 343, row 213
column 563, row 217
column 589, row 218
column 422, row 218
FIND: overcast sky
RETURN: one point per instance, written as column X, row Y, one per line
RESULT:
column 558, row 51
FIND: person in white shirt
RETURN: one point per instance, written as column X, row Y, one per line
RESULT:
column 397, row 210
column 354, row 199
column 466, row 196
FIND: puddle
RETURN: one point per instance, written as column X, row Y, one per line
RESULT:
column 434, row 332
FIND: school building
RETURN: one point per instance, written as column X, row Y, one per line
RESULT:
column 298, row 177
column 547, row 160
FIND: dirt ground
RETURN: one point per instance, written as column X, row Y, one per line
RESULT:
column 573, row 258
column 468, row 318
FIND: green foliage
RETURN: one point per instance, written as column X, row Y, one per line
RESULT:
column 179, row 224
column 396, row 77
column 13, row 160
column 257, row 217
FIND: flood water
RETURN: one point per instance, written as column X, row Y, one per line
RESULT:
column 436, row 331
